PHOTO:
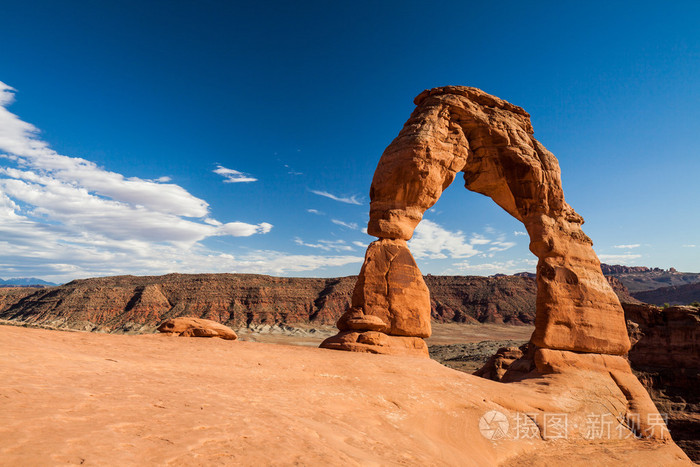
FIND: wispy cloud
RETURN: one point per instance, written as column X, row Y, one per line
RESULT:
column 689, row 246
column 241, row 229
column 518, row 233
column 233, row 176
column 498, row 267
column 315, row 211
column 349, row 225
column 479, row 240
column 623, row 258
column 291, row 171
column 71, row 194
column 627, row 247
column 501, row 245
column 348, row 200
column 61, row 260
column 326, row 245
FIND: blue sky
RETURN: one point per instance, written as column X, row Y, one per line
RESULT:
column 183, row 136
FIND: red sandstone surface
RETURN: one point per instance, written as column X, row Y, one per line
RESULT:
column 96, row 399
column 186, row 326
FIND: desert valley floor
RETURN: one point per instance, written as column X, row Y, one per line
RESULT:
column 96, row 399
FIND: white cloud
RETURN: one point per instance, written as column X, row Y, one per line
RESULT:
column 432, row 241
column 624, row 258
column 518, row 233
column 72, row 257
column 499, row 267
column 349, row 225
column 501, row 245
column 689, row 246
column 360, row 244
column 57, row 253
column 274, row 262
column 326, row 245
column 479, row 240
column 67, row 215
column 233, row 176
column 241, row 229
column 315, row 211
column 627, row 247
column 292, row 171
column 348, row 200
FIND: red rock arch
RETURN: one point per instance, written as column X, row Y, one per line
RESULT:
column 460, row 129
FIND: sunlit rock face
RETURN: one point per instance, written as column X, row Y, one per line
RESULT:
column 461, row 129
column 188, row 326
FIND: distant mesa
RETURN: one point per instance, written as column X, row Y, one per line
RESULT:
column 642, row 279
column 671, row 295
column 621, row 269
column 196, row 327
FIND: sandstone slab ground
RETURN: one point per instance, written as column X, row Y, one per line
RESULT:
column 101, row 399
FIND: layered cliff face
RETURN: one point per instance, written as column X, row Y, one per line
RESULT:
column 666, row 357
column 641, row 279
column 259, row 299
column 672, row 295
column 664, row 337
column 476, row 299
column 122, row 302
column 139, row 303
column 9, row 296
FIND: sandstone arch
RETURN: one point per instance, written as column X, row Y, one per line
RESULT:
column 461, row 129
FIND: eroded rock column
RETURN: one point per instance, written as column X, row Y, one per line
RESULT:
column 390, row 310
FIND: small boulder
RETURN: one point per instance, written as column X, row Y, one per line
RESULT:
column 197, row 327
column 499, row 363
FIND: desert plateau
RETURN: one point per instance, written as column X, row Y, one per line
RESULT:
column 75, row 397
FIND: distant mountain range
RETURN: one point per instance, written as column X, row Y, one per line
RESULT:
column 25, row 282
column 641, row 279
column 672, row 295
